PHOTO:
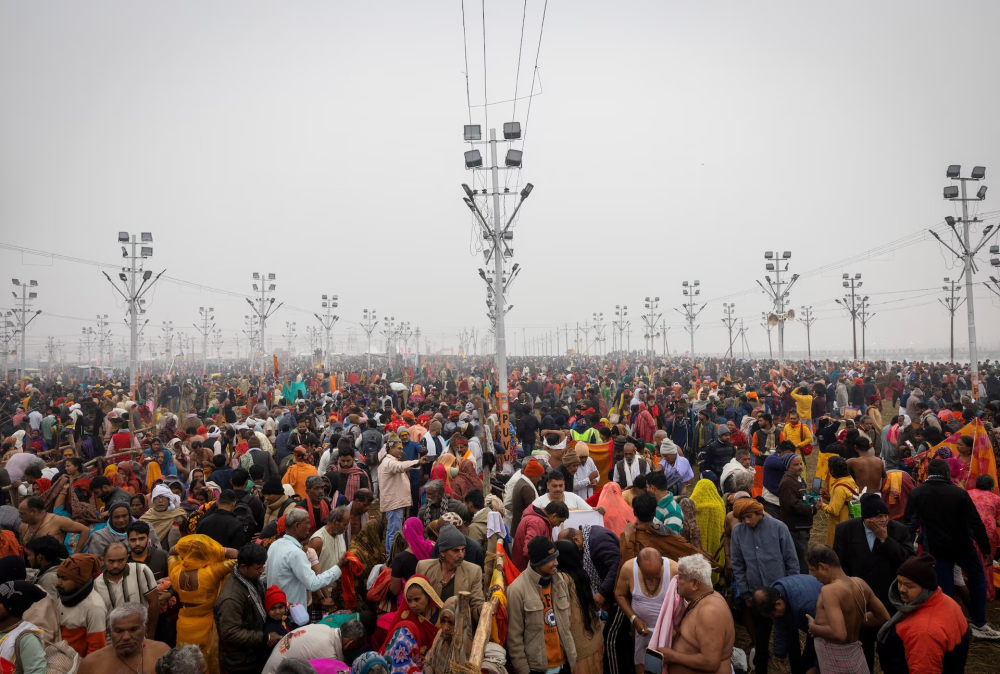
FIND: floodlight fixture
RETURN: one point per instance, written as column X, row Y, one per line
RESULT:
column 857, row 275
column 950, row 220
column 255, row 288
column 122, row 237
column 684, row 283
column 951, row 192
column 846, row 284
column 846, row 276
column 785, row 255
column 32, row 296
column 33, row 284
column 697, row 283
column 271, row 288
column 122, row 276
column 147, row 251
column 270, row 277
column 16, row 282
column 511, row 130
column 513, row 158
column 147, row 237
column 473, row 159
column 474, row 132
column 981, row 194
column 124, row 252
column 946, row 279
column 256, row 276
column 994, row 249
column 146, row 275
column 769, row 266
column 953, row 171
column 526, row 191
column 978, row 172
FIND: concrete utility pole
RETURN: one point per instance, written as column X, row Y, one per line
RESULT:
column 808, row 319
column 729, row 321
column 618, row 327
column 778, row 291
column 968, row 252
column 416, row 349
column 745, row 348
column 264, row 308
column 864, row 317
column 217, row 343
column 205, row 331
column 88, row 336
column 289, row 338
column 598, row 330
column 952, row 302
column 849, row 303
column 497, row 234
column 328, row 320
column 691, row 309
column 25, row 317
column 370, row 321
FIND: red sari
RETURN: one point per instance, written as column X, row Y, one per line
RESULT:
column 408, row 636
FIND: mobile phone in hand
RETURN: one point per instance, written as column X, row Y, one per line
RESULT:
column 654, row 661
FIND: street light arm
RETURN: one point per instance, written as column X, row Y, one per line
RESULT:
column 143, row 291
column 768, row 291
column 117, row 289
column 943, row 243
column 986, row 236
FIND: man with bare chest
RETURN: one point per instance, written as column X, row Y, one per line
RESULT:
column 869, row 471
column 845, row 605
column 37, row 523
column 130, row 650
column 704, row 641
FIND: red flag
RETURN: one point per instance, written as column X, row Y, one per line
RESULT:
column 275, row 366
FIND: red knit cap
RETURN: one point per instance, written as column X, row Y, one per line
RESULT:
column 273, row 596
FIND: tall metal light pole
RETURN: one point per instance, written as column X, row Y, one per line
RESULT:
column 290, row 338
column 778, row 291
column 728, row 308
column 498, row 234
column 666, row 345
column 766, row 324
column 217, row 343
column 167, row 327
column 850, row 303
column 8, row 336
column 103, row 338
column 264, row 308
column 370, row 321
column 619, row 325
column 135, row 288
column 808, row 319
column 952, row 302
column 691, row 309
column 24, row 317
column 598, row 329
column 968, row 252
column 653, row 304
column 328, row 320
column 205, row 330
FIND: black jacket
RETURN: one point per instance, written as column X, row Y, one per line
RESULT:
column 948, row 518
column 224, row 527
column 240, row 626
column 876, row 566
column 605, row 551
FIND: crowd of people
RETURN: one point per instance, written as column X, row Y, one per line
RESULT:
column 644, row 514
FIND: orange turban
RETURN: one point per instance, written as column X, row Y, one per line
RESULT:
column 533, row 468
column 746, row 506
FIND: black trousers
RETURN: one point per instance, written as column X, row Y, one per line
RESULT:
column 801, row 659
column 619, row 646
column 762, row 629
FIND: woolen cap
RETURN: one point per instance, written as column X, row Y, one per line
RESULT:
column 541, row 550
column 272, row 485
column 920, row 570
column 449, row 537
column 872, row 505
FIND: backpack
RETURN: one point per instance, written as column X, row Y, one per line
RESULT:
column 245, row 515
column 60, row 657
column 370, row 448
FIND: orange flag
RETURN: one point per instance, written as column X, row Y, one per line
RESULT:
column 275, row 366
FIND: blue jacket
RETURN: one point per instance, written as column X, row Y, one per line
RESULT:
column 681, row 434
column 762, row 555
column 774, row 470
column 800, row 593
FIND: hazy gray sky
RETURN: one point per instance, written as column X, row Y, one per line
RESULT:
column 322, row 141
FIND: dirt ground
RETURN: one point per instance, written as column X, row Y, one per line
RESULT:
column 984, row 656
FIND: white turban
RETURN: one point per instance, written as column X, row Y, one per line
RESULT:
column 174, row 499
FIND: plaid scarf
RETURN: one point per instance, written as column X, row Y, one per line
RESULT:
column 353, row 481
column 254, row 588
column 588, row 561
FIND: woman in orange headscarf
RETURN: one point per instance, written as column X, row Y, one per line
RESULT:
column 616, row 513
column 197, row 572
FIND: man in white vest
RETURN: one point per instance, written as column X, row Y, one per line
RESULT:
column 329, row 542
